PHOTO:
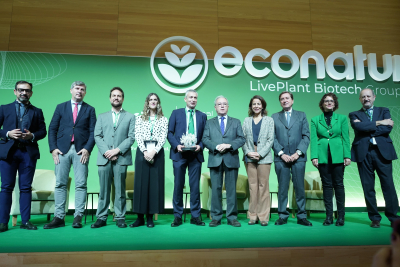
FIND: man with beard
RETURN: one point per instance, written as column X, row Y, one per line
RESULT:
column 373, row 150
column 71, row 139
column 114, row 135
column 21, row 127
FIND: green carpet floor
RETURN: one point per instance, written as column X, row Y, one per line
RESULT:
column 110, row 238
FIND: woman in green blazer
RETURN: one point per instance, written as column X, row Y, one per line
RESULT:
column 330, row 153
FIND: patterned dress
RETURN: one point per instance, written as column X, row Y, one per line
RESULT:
column 148, row 197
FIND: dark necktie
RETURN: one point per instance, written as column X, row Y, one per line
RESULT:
column 222, row 125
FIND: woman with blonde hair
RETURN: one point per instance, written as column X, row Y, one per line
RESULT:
column 151, row 130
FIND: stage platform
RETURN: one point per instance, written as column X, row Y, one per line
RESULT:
column 356, row 232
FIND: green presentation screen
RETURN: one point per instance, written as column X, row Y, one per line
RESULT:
column 53, row 74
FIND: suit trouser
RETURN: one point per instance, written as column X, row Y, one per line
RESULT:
column 217, row 177
column 106, row 174
column 375, row 161
column 332, row 178
column 283, row 171
column 194, row 168
column 260, row 199
column 62, row 173
column 17, row 160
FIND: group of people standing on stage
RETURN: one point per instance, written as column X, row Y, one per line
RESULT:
column 282, row 138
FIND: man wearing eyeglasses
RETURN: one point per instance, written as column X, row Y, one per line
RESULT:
column 71, row 139
column 223, row 136
column 373, row 150
column 22, row 126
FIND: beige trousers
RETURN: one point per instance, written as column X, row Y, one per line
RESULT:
column 260, row 200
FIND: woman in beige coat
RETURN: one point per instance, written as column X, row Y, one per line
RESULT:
column 258, row 130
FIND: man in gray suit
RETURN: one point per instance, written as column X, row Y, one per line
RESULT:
column 223, row 136
column 114, row 135
column 292, row 137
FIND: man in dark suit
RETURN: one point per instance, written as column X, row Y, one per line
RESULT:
column 292, row 137
column 71, row 139
column 373, row 150
column 223, row 136
column 21, row 127
column 186, row 121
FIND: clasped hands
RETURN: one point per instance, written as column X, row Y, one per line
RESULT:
column 179, row 148
column 112, row 154
column 149, row 156
column 253, row 155
column 292, row 158
column 18, row 134
column 223, row 147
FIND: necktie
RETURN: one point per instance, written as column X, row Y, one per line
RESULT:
column 191, row 122
column 370, row 113
column 74, row 116
column 21, row 115
column 288, row 117
column 116, row 116
column 222, row 125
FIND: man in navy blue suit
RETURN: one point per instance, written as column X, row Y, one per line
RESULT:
column 71, row 139
column 21, row 127
column 183, row 121
column 373, row 150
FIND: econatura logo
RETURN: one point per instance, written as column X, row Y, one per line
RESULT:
column 169, row 71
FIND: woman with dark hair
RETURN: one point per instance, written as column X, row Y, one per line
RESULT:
column 330, row 153
column 258, row 130
column 150, row 133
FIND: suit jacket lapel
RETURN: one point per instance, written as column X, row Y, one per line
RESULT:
column 68, row 111
column 30, row 115
column 293, row 118
column 121, row 117
column 228, row 125
column 198, row 122
column 80, row 114
column 322, row 120
column 375, row 113
column 263, row 127
column 216, row 123
column 364, row 114
column 283, row 118
column 334, row 119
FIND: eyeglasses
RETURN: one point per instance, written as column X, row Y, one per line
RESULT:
column 329, row 101
column 222, row 104
column 20, row 90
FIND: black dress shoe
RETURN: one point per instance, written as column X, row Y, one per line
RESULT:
column 339, row 222
column 328, row 221
column 137, row 223
column 281, row 221
column 375, row 224
column 264, row 223
column 252, row 222
column 121, row 223
column 234, row 223
column 99, row 223
column 197, row 221
column 3, row 227
column 28, row 226
column 77, row 222
column 55, row 223
column 177, row 221
column 150, row 223
column 214, row 223
column 304, row 222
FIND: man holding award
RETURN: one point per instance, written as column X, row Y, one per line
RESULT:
column 185, row 123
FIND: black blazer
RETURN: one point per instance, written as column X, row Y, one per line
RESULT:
column 62, row 128
column 365, row 129
column 9, row 122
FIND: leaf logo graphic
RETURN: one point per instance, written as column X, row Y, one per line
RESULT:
column 179, row 59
